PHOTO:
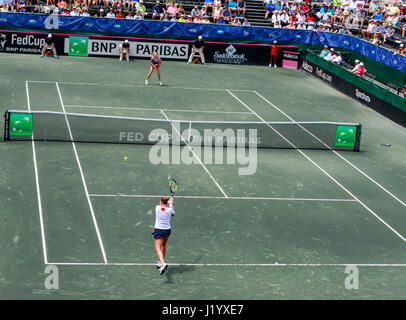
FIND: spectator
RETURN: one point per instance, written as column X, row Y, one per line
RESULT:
column 337, row 59
column 277, row 24
column 181, row 10
column 157, row 11
column 166, row 17
column 278, row 6
column 402, row 50
column 290, row 25
column 241, row 7
column 203, row 12
column 124, row 50
column 246, row 23
column 197, row 20
column 182, row 18
column 85, row 13
column 359, row 17
column 138, row 15
column 301, row 17
column 310, row 25
column 388, row 32
column 130, row 15
column 206, row 20
column 120, row 15
column 195, row 12
column 62, row 5
column 236, row 22
column 301, row 25
column 360, row 69
column 198, row 46
column 270, row 8
column 189, row 19
column 284, row 18
column 227, row 15
column 173, row 9
column 330, row 55
column 110, row 14
column 378, row 15
column 356, row 66
column 49, row 44
column 209, row 4
column 140, row 8
column 324, row 52
column 232, row 5
column 343, row 30
column 101, row 13
column 221, row 20
column 369, row 30
column 217, row 13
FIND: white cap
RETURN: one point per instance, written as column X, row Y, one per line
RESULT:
column 361, row 63
column 357, row 61
column 126, row 40
column 200, row 37
column 49, row 35
column 274, row 41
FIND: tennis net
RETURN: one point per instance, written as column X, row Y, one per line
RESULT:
column 59, row 126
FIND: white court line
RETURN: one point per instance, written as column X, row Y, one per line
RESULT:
column 335, row 152
column 228, row 198
column 137, row 85
column 41, row 220
column 83, row 178
column 324, row 171
column 154, row 109
column 195, row 155
column 232, row 264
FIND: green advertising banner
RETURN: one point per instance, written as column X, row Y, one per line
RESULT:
column 78, row 46
column 20, row 124
column 345, row 136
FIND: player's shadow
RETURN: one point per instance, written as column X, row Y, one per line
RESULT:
column 176, row 270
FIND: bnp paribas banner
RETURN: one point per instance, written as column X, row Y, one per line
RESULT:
column 100, row 46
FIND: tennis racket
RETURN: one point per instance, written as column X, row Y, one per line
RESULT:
column 173, row 186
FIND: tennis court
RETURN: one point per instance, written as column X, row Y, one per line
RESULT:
column 286, row 232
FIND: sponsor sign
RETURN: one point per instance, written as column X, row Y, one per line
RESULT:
column 20, row 124
column 140, row 49
column 355, row 92
column 290, row 60
column 16, row 42
column 78, row 46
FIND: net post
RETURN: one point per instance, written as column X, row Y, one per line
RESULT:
column 358, row 137
column 7, row 126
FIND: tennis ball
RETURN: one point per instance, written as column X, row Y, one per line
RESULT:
column 125, row 158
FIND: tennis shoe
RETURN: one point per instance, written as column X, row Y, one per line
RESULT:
column 270, row 65
column 158, row 264
column 160, row 83
column 146, row 82
column 163, row 268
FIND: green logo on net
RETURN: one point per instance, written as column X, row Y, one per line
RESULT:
column 20, row 124
column 78, row 46
column 346, row 136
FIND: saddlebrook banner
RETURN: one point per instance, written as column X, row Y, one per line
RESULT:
column 108, row 46
column 208, row 31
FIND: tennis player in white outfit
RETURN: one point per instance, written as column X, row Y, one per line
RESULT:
column 162, row 230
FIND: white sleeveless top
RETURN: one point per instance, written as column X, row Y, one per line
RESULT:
column 163, row 217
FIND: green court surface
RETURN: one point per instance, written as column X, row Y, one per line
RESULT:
column 287, row 232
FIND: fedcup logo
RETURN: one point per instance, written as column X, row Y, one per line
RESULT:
column 207, row 146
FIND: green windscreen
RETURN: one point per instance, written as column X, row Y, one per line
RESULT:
column 20, row 124
column 346, row 136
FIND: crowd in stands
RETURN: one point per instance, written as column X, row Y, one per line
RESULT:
column 212, row 11
column 374, row 22
column 365, row 18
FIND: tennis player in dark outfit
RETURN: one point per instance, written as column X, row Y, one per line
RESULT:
column 162, row 230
